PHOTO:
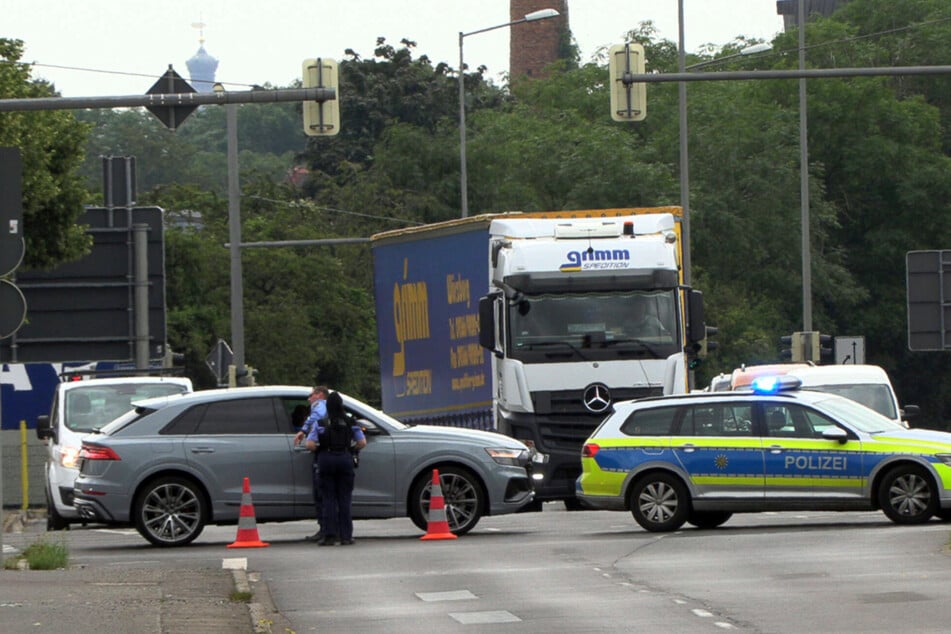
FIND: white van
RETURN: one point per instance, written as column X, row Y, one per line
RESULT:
column 866, row 384
column 80, row 407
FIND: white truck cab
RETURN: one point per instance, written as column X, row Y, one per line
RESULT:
column 81, row 407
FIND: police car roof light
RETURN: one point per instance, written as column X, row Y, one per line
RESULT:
column 770, row 384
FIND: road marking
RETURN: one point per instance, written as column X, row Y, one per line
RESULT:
column 495, row 616
column 234, row 563
column 702, row 613
column 453, row 595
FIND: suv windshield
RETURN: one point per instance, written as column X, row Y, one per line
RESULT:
column 89, row 408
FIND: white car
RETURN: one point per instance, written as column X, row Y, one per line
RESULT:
column 80, row 407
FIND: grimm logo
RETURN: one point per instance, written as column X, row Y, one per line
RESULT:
column 410, row 317
column 596, row 259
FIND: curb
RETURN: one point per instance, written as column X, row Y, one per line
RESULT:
column 265, row 619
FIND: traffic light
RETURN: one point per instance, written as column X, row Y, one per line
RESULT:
column 826, row 350
column 794, row 351
column 708, row 345
column 245, row 377
column 321, row 118
column 628, row 99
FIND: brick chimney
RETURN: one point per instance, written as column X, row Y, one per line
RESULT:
column 535, row 45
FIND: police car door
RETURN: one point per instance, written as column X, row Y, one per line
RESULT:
column 718, row 449
column 799, row 462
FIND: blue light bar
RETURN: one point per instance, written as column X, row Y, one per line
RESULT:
column 769, row 384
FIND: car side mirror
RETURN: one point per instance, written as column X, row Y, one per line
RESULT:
column 43, row 428
column 835, row 433
column 910, row 411
column 369, row 428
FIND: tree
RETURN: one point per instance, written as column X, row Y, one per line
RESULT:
column 50, row 144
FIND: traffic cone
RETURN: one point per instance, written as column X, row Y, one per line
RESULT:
column 438, row 527
column 247, row 526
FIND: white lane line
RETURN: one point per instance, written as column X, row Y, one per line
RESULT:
column 453, row 595
column 495, row 616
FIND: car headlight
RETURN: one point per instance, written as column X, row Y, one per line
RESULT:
column 944, row 457
column 504, row 455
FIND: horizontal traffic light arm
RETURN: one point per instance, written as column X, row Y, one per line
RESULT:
column 172, row 99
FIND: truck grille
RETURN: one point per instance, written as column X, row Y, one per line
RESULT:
column 565, row 423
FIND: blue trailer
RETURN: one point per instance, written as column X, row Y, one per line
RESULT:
column 427, row 287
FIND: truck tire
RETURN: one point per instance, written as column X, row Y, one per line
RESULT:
column 907, row 495
column 659, row 502
column 170, row 511
column 708, row 519
column 462, row 494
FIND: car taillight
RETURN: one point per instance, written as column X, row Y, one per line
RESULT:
column 97, row 452
column 589, row 450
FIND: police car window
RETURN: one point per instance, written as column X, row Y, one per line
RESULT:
column 816, row 423
column 650, row 422
column 717, row 419
column 794, row 421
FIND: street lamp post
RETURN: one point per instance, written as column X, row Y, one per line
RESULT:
column 541, row 14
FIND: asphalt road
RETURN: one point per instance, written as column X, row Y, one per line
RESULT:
column 561, row 571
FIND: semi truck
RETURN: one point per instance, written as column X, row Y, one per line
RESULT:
column 533, row 324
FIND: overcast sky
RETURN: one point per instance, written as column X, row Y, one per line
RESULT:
column 265, row 41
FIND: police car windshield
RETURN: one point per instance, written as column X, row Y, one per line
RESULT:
column 858, row 416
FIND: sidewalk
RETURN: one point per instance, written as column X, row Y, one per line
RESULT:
column 91, row 600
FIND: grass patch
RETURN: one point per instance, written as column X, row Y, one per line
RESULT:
column 41, row 555
column 239, row 596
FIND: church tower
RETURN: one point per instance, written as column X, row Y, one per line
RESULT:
column 201, row 65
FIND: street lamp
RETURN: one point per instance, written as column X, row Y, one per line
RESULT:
column 541, row 14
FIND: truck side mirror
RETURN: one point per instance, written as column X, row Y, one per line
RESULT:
column 487, row 322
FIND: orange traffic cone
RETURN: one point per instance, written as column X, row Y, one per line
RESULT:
column 438, row 527
column 247, row 526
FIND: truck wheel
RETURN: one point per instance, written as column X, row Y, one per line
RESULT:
column 659, row 502
column 907, row 495
column 462, row 494
column 708, row 519
column 170, row 511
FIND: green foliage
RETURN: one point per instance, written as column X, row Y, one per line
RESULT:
column 878, row 171
column 50, row 144
column 42, row 555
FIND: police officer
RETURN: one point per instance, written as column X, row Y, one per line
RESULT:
column 338, row 438
column 308, row 434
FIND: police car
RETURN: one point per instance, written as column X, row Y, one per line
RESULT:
column 698, row 458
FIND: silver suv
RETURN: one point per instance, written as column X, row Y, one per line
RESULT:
column 176, row 464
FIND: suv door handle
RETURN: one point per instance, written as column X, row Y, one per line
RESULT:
column 202, row 450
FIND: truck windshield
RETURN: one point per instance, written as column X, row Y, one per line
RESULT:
column 594, row 325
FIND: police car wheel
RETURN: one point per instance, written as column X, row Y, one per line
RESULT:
column 659, row 502
column 170, row 511
column 907, row 495
column 708, row 519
